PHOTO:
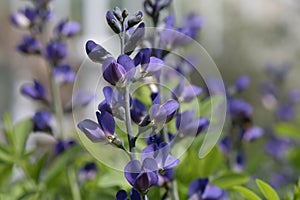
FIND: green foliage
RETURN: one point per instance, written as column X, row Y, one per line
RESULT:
column 268, row 192
column 288, row 130
column 230, row 179
column 246, row 193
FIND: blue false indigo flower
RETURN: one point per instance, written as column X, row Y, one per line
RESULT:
column 193, row 23
column 138, row 111
column 135, row 39
column 153, row 8
column 184, row 93
column 64, row 74
column 66, row 28
column 63, row 145
column 41, row 121
column 134, row 19
column 24, row 18
column 163, row 113
column 201, row 189
column 103, row 131
column 141, row 176
column 118, row 72
column 240, row 162
column 225, row 145
column 149, row 64
column 118, row 13
column 113, row 22
column 188, row 126
column 30, row 45
column 161, row 154
column 286, row 112
column 80, row 98
column 55, row 51
column 252, row 133
column 88, row 171
column 122, row 195
column 96, row 52
column 242, row 83
column 34, row 91
column 106, row 104
column 278, row 147
column 158, row 139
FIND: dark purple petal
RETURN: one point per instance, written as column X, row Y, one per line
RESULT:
column 212, row 192
column 154, row 65
column 149, row 151
column 114, row 73
column 112, row 21
column 41, row 121
column 64, row 74
column 170, row 108
column 178, row 90
column 63, row 145
column 197, row 186
column 106, row 122
column 132, row 170
column 239, row 107
column 184, row 119
column 169, row 21
column 96, row 52
column 142, row 57
column 88, row 171
column 253, row 133
column 92, row 130
column 134, row 195
column 242, row 82
column 135, row 39
column 225, row 145
column 135, row 19
column 138, row 111
column 121, row 195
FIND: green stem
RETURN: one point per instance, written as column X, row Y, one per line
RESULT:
column 128, row 122
column 174, row 189
column 73, row 184
column 57, row 104
column 145, row 197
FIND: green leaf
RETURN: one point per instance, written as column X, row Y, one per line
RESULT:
column 8, row 129
column 6, row 172
column 35, row 169
column 248, row 194
column 6, row 154
column 230, row 180
column 287, row 130
column 60, row 164
column 113, row 178
column 267, row 190
column 22, row 131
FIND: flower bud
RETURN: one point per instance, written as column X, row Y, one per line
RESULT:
column 112, row 21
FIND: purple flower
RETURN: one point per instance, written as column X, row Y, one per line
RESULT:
column 24, row 18
column 193, row 23
column 106, row 104
column 80, row 98
column 88, row 171
column 225, row 145
column 138, row 111
column 149, row 64
column 66, row 28
column 102, row 131
column 242, row 83
column 188, row 126
column 134, row 19
column 120, row 71
column 30, row 45
column 157, row 139
column 286, row 112
column 163, row 113
column 184, row 93
column 161, row 154
column 141, row 176
column 41, row 121
column 63, row 145
column 122, row 195
column 201, row 189
column 64, row 74
column 252, row 133
column 239, row 108
column 34, row 91
column 55, row 51
column 153, row 8
column 113, row 22
column 96, row 52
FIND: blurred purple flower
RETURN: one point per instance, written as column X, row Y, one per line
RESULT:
column 242, row 83
column 239, row 108
column 55, row 51
column 141, row 176
column 201, row 189
column 63, row 145
column 64, row 74
column 88, row 171
column 41, row 121
column 188, row 126
column 225, row 145
column 66, row 28
column 153, row 8
column 252, row 133
column 277, row 147
column 30, row 45
column 120, row 71
column 24, row 18
column 157, row 138
column 122, row 195
column 184, row 93
column 34, row 91
column 286, row 112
